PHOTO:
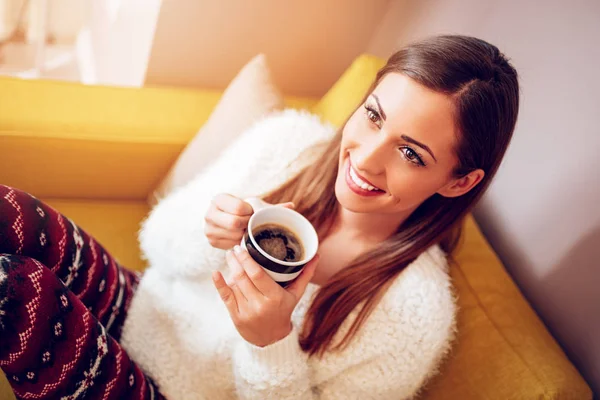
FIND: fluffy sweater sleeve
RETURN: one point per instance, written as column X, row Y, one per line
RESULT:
column 391, row 357
column 260, row 160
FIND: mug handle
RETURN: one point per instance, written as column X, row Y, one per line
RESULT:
column 257, row 204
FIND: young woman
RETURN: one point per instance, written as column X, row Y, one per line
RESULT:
column 371, row 317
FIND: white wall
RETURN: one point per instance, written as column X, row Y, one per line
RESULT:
column 114, row 47
column 542, row 214
column 103, row 42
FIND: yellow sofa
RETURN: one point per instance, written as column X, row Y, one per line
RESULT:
column 95, row 153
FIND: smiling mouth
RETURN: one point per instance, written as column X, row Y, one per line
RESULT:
column 360, row 185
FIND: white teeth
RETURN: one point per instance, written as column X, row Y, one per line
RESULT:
column 359, row 182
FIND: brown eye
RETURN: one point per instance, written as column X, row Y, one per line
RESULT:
column 412, row 156
column 373, row 115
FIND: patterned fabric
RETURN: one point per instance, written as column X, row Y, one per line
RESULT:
column 63, row 301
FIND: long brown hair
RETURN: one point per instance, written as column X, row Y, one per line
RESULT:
column 484, row 87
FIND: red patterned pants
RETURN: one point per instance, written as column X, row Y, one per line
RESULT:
column 63, row 301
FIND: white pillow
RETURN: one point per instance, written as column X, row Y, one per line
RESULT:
column 251, row 95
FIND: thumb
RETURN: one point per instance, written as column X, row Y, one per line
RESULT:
column 298, row 287
column 289, row 205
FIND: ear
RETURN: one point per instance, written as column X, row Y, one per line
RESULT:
column 459, row 186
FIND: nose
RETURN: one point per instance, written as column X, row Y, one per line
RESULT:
column 370, row 156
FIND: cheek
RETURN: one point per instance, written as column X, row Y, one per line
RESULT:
column 351, row 131
column 410, row 186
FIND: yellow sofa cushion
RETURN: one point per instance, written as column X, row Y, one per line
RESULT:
column 502, row 350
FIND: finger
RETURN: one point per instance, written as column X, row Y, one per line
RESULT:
column 218, row 233
column 242, row 279
column 225, row 293
column 261, row 280
column 225, row 220
column 239, row 296
column 289, row 205
column 232, row 205
column 224, row 244
column 298, row 287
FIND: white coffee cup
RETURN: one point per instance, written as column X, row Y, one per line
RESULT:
column 283, row 272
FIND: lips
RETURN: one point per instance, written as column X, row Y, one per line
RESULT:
column 360, row 185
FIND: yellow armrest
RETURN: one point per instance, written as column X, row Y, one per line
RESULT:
column 65, row 140
column 70, row 140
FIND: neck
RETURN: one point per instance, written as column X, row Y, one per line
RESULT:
column 369, row 227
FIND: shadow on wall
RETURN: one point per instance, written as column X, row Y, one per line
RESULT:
column 574, row 283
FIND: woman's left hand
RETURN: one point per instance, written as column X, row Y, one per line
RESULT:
column 260, row 309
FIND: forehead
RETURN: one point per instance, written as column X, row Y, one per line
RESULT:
column 421, row 113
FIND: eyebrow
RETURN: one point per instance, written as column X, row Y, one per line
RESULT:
column 421, row 145
column 379, row 106
column 405, row 137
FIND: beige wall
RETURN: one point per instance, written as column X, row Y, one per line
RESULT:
column 308, row 43
column 65, row 17
column 542, row 214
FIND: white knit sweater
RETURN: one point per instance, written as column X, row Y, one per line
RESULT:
column 180, row 333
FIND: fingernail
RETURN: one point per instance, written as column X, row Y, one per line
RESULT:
column 237, row 249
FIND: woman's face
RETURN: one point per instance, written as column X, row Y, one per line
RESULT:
column 397, row 149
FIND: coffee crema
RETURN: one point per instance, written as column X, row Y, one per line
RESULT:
column 279, row 242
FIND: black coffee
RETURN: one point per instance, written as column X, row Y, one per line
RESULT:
column 279, row 242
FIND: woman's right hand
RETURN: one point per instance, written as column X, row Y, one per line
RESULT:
column 226, row 220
